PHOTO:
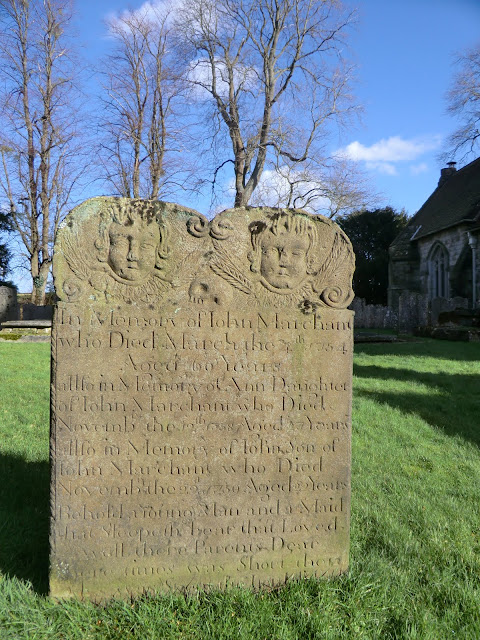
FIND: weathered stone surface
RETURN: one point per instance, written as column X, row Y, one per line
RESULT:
column 8, row 303
column 201, row 398
column 440, row 306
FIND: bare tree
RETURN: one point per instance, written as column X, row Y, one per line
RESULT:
column 333, row 187
column 39, row 156
column 463, row 101
column 142, row 98
column 273, row 75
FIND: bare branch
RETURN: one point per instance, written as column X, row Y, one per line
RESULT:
column 463, row 102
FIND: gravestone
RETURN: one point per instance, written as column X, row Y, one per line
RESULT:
column 8, row 303
column 439, row 306
column 201, row 398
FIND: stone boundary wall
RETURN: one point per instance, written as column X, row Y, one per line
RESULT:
column 29, row 311
column 414, row 310
column 13, row 309
column 373, row 316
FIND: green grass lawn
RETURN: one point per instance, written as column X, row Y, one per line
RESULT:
column 415, row 551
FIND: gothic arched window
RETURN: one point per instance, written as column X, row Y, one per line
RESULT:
column 438, row 272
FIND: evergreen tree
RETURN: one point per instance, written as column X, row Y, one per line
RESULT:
column 371, row 234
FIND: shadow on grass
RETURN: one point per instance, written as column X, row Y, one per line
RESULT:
column 454, row 407
column 24, row 520
column 444, row 349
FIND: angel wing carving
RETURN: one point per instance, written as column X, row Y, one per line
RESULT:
column 223, row 266
column 333, row 281
column 75, row 257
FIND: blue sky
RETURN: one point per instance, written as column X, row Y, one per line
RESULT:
column 404, row 51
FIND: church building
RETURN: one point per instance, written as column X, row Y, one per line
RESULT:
column 438, row 253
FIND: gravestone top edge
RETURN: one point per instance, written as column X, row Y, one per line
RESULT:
column 92, row 245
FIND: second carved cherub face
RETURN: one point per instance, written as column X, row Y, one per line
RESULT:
column 133, row 246
column 283, row 262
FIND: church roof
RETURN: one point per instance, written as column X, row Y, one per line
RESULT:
column 456, row 200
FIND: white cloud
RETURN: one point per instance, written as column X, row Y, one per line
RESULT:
column 417, row 169
column 274, row 188
column 149, row 11
column 387, row 168
column 384, row 155
column 200, row 75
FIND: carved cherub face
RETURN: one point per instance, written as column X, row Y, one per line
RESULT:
column 283, row 251
column 133, row 246
column 283, row 262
